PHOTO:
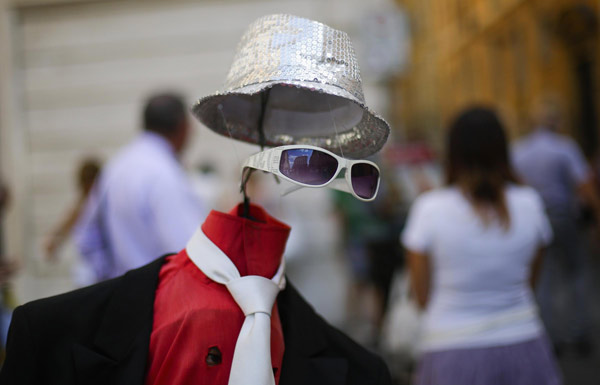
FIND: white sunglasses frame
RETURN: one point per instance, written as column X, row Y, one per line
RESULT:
column 268, row 160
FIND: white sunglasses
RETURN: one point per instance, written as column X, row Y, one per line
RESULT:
column 311, row 166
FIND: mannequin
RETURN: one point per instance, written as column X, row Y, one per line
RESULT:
column 167, row 322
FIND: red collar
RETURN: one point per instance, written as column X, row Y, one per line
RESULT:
column 255, row 246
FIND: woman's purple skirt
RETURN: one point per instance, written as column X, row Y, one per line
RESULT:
column 525, row 363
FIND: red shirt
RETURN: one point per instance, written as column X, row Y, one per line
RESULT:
column 193, row 314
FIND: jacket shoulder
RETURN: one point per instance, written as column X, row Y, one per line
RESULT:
column 308, row 332
column 72, row 302
column 363, row 364
column 68, row 316
column 87, row 299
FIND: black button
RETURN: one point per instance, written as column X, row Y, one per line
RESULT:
column 213, row 357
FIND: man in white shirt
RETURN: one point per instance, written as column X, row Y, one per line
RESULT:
column 143, row 205
column 554, row 165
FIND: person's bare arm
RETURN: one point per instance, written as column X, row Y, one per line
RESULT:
column 420, row 276
column 58, row 235
column 536, row 267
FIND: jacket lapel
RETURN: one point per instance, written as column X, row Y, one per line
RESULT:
column 304, row 360
column 119, row 351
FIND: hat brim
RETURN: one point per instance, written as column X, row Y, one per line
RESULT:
column 295, row 112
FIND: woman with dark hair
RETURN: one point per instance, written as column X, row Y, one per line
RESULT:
column 474, row 249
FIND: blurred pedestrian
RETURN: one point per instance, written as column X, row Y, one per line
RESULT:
column 358, row 226
column 384, row 252
column 554, row 165
column 143, row 204
column 87, row 173
column 86, row 176
column 474, row 248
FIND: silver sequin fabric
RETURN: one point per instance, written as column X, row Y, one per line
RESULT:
column 295, row 81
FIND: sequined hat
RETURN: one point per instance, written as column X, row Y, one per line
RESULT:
column 299, row 81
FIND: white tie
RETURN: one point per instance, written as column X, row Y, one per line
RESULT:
column 255, row 295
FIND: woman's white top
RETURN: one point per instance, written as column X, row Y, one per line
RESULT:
column 480, row 294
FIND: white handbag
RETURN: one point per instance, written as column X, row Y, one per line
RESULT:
column 402, row 325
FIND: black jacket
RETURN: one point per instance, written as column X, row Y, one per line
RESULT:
column 100, row 335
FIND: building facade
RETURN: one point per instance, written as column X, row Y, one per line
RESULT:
column 503, row 53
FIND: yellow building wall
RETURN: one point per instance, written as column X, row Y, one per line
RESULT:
column 503, row 53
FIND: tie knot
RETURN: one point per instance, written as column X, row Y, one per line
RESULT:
column 253, row 294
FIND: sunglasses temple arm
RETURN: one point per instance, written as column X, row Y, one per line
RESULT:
column 290, row 190
column 252, row 162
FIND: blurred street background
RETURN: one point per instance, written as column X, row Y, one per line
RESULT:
column 74, row 75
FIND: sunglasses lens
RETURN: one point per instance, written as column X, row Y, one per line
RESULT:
column 364, row 179
column 307, row 166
